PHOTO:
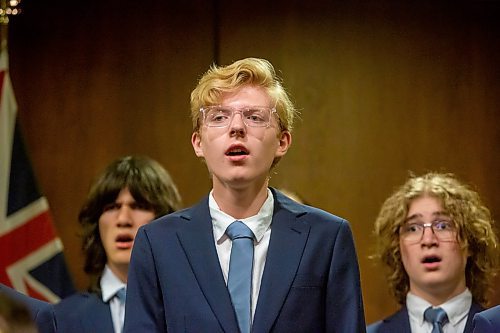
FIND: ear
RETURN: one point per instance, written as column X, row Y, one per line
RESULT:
column 196, row 142
column 285, row 140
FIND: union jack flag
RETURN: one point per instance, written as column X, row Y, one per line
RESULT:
column 31, row 257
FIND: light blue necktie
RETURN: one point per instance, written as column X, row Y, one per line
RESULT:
column 437, row 317
column 122, row 295
column 239, row 281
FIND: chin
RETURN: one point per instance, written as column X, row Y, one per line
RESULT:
column 235, row 179
column 123, row 259
column 437, row 283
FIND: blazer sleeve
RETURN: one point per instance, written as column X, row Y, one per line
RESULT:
column 45, row 319
column 344, row 303
column 144, row 309
column 42, row 312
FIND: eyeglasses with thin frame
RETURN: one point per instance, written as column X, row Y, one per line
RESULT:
column 413, row 232
column 222, row 116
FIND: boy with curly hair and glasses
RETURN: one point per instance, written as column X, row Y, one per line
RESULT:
column 436, row 238
column 246, row 258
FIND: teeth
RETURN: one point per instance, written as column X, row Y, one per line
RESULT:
column 236, row 152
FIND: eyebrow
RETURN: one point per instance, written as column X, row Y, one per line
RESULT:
column 417, row 216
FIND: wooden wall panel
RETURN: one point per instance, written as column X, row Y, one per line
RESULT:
column 98, row 81
column 384, row 88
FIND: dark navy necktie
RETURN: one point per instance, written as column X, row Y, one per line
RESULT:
column 239, row 280
column 437, row 317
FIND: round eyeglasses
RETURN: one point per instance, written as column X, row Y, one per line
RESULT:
column 222, row 116
column 444, row 230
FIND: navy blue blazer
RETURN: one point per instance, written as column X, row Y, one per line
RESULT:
column 42, row 312
column 310, row 281
column 400, row 322
column 85, row 313
column 487, row 321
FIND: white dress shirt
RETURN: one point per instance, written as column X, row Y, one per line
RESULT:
column 456, row 308
column 110, row 284
column 260, row 225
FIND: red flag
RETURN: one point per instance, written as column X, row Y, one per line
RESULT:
column 31, row 258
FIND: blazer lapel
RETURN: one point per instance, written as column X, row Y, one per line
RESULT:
column 198, row 243
column 399, row 322
column 288, row 240
column 99, row 314
column 474, row 308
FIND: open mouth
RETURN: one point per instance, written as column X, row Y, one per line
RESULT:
column 431, row 260
column 237, row 151
column 124, row 240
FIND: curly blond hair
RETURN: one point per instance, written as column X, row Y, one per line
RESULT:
column 473, row 221
column 249, row 71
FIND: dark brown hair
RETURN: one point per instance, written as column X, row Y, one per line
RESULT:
column 150, row 185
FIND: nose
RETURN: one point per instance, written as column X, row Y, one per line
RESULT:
column 124, row 217
column 429, row 237
column 237, row 125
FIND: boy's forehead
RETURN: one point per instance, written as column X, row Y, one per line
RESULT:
column 434, row 215
column 246, row 95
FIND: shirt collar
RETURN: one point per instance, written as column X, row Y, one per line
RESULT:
column 110, row 284
column 259, row 223
column 456, row 308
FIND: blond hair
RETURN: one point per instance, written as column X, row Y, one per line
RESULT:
column 249, row 71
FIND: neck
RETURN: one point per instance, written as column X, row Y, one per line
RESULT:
column 120, row 271
column 240, row 203
column 438, row 295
